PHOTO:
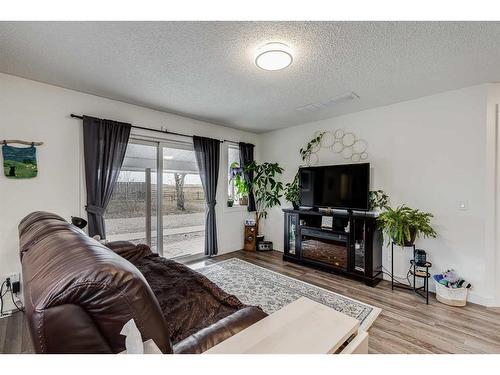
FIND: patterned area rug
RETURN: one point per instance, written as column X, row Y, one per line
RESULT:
column 255, row 285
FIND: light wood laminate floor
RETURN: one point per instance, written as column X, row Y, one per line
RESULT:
column 406, row 324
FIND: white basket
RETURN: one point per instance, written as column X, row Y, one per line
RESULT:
column 451, row 296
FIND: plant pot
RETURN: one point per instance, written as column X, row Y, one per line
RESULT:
column 243, row 201
column 413, row 236
column 295, row 206
column 230, row 203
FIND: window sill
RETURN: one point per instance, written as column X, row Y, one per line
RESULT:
column 236, row 209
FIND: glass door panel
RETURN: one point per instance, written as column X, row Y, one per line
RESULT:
column 321, row 246
column 359, row 245
column 291, row 233
column 183, row 202
column 131, row 214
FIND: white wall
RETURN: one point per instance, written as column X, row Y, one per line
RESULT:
column 39, row 112
column 429, row 153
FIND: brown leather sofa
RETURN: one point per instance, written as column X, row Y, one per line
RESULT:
column 78, row 295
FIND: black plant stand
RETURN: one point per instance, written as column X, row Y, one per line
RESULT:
column 422, row 291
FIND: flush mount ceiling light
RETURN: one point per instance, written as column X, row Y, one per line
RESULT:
column 273, row 56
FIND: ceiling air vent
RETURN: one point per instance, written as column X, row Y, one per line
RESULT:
column 328, row 103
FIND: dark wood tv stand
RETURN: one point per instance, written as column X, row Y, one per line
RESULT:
column 352, row 247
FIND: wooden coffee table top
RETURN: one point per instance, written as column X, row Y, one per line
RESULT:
column 302, row 327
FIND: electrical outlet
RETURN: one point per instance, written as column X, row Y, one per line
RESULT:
column 13, row 278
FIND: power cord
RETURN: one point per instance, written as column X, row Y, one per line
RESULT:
column 386, row 272
column 7, row 283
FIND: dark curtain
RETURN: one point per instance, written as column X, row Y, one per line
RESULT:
column 104, row 144
column 246, row 157
column 207, row 153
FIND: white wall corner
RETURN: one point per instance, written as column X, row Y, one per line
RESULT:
column 492, row 231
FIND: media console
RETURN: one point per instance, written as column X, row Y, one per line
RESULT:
column 351, row 247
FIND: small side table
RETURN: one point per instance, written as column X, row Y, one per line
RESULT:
column 417, row 271
column 250, row 240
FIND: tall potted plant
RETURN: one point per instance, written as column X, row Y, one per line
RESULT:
column 404, row 224
column 266, row 187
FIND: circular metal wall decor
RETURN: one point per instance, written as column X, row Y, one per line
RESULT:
column 337, row 141
column 347, row 153
column 327, row 140
column 348, row 139
column 337, row 147
column 349, row 146
column 339, row 133
column 360, row 146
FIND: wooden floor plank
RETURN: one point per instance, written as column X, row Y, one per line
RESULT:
column 3, row 329
column 405, row 325
column 13, row 334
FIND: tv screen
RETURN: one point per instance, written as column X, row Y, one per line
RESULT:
column 337, row 186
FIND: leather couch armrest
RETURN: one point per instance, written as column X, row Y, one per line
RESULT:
column 212, row 335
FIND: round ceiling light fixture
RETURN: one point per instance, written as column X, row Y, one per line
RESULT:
column 273, row 56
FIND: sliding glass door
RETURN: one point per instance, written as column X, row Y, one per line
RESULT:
column 183, row 202
column 144, row 201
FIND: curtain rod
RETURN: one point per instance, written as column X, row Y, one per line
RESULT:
column 18, row 141
column 160, row 131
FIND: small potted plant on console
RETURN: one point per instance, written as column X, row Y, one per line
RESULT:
column 292, row 192
column 377, row 200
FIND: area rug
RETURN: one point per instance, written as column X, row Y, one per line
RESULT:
column 255, row 285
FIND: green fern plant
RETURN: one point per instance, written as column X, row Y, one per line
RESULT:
column 403, row 224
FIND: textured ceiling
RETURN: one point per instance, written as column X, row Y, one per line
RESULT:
column 205, row 70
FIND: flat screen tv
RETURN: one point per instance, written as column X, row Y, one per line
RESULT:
column 343, row 186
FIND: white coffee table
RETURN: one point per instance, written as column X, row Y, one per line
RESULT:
column 302, row 327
